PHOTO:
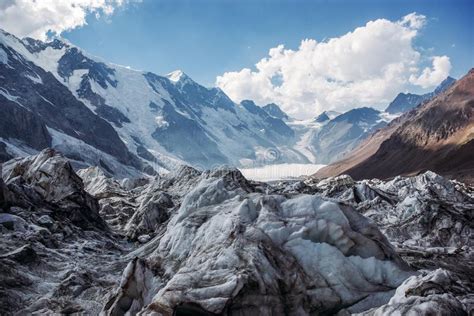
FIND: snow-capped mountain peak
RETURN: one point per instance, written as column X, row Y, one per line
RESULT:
column 179, row 76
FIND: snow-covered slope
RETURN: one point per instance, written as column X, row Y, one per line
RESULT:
column 38, row 112
column 164, row 119
column 330, row 136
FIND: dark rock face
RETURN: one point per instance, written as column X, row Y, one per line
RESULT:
column 404, row 102
column 323, row 117
column 4, row 155
column 19, row 123
column 103, row 110
column 275, row 111
column 72, row 60
column 2, row 187
column 35, row 46
column 47, row 180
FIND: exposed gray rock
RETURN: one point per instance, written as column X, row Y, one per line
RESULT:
column 24, row 254
column 45, row 220
column 12, row 222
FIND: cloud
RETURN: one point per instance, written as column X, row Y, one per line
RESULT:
column 434, row 75
column 36, row 18
column 365, row 67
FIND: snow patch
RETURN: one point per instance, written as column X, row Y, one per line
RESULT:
column 36, row 79
column 3, row 57
column 175, row 76
column 161, row 122
column 75, row 147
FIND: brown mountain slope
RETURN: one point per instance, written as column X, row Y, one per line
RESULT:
column 437, row 136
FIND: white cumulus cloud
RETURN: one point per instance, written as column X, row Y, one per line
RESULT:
column 365, row 67
column 434, row 75
column 35, row 18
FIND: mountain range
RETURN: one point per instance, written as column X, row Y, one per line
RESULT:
column 438, row 135
column 123, row 119
column 131, row 122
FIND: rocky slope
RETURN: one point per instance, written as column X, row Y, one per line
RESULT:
column 213, row 242
column 436, row 136
column 39, row 112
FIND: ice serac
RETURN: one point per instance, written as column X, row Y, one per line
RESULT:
column 48, row 180
column 231, row 249
column 53, row 242
column 423, row 212
column 216, row 243
column 437, row 292
column 428, row 219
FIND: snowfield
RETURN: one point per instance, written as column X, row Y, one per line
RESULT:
column 280, row 171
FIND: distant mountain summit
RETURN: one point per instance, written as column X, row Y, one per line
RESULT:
column 274, row 110
column 444, row 85
column 323, row 117
column 404, row 102
column 326, row 116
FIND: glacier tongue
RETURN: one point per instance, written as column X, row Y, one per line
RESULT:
column 213, row 242
column 231, row 249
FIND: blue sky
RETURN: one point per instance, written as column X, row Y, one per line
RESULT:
column 206, row 38
column 306, row 56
